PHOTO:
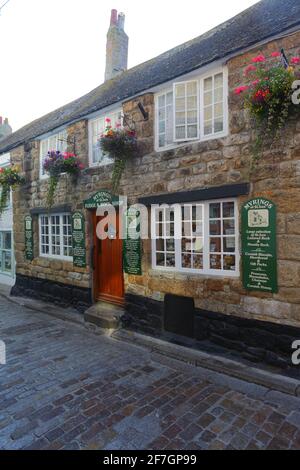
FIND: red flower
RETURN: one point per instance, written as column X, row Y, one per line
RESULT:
column 295, row 60
column 107, row 120
column 256, row 82
column 259, row 58
column 262, row 95
column 250, row 68
column 275, row 54
column 240, row 89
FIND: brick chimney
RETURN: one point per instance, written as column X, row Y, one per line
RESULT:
column 116, row 46
column 5, row 128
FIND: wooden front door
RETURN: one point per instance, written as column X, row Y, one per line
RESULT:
column 108, row 265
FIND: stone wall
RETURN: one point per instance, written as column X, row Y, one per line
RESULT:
column 195, row 166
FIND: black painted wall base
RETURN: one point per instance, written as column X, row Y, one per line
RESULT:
column 254, row 340
column 53, row 292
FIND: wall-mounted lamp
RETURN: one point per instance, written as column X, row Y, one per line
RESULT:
column 143, row 111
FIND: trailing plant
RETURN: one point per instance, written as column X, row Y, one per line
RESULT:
column 10, row 178
column 57, row 163
column 268, row 96
column 120, row 144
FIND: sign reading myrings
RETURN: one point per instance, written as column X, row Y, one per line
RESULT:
column 259, row 245
column 132, row 246
column 101, row 198
column 28, row 230
column 78, row 234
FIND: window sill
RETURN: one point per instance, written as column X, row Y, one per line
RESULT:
column 57, row 258
column 156, row 270
column 174, row 146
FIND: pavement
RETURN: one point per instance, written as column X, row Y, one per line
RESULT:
column 66, row 387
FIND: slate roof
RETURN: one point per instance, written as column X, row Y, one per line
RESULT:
column 260, row 22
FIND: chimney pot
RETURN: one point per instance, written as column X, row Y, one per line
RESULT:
column 114, row 18
column 121, row 21
column 116, row 46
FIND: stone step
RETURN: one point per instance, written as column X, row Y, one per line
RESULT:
column 104, row 315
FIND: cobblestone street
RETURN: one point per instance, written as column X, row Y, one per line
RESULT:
column 65, row 387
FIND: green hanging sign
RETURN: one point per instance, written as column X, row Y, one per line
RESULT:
column 132, row 246
column 78, row 234
column 28, row 230
column 101, row 198
column 259, row 245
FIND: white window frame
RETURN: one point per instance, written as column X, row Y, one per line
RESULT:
column 206, row 271
column 201, row 137
column 103, row 116
column 6, row 250
column 186, row 139
column 57, row 136
column 50, row 255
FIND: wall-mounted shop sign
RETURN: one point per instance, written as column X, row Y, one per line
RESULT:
column 78, row 233
column 101, row 198
column 28, row 228
column 259, row 245
column 132, row 246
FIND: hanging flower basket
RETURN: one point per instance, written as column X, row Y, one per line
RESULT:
column 10, row 178
column 121, row 145
column 268, row 95
column 55, row 165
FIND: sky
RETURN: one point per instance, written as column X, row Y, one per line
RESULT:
column 53, row 51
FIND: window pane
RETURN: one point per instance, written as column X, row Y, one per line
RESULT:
column 228, row 227
column 208, row 128
column 215, row 245
column 180, row 118
column 215, row 227
column 229, row 244
column 218, row 110
column 218, row 95
column 198, row 262
column 192, row 132
column 180, row 90
column 7, row 261
column 208, row 98
column 219, row 125
column 228, row 209
column 208, row 84
column 160, row 259
column 186, row 244
column 215, row 210
column 219, row 80
column 208, row 113
column 180, row 132
column 6, row 240
column 215, row 262
column 192, row 88
column 162, row 101
column 186, row 261
column 229, row 263
column 170, row 260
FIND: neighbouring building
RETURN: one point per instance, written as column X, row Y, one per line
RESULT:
column 195, row 150
column 7, row 261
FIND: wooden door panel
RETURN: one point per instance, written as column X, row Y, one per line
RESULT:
column 108, row 273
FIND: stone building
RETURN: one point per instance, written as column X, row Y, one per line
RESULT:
column 7, row 261
column 194, row 286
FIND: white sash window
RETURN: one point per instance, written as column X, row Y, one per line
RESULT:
column 192, row 110
column 196, row 238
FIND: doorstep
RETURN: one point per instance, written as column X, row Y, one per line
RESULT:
column 104, row 315
column 213, row 362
